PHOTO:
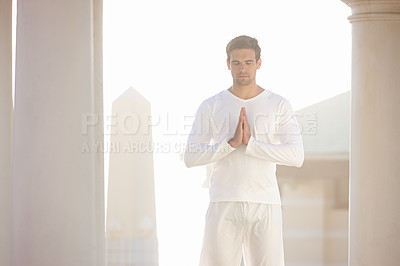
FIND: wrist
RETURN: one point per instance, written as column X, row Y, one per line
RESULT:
column 246, row 140
column 233, row 143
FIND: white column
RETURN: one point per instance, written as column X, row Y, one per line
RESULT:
column 5, row 130
column 131, row 207
column 375, row 130
column 58, row 195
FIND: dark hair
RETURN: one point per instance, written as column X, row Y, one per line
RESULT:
column 243, row 42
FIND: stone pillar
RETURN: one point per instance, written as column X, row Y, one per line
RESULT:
column 5, row 129
column 131, row 214
column 58, row 194
column 375, row 151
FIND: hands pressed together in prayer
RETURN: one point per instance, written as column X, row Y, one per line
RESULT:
column 242, row 133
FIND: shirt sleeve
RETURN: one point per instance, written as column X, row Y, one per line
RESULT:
column 199, row 150
column 289, row 150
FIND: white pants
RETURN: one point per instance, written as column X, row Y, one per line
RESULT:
column 234, row 229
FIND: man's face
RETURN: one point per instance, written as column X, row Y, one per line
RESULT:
column 243, row 66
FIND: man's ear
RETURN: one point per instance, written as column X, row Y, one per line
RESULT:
column 228, row 64
column 259, row 63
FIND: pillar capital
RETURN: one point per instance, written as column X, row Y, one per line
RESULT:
column 373, row 10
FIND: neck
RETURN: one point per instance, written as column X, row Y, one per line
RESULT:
column 246, row 92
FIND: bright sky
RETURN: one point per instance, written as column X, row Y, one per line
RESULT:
column 173, row 53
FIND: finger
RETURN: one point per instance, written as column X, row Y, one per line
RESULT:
column 240, row 126
column 246, row 125
column 245, row 117
column 241, row 116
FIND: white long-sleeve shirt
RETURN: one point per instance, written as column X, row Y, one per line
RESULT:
column 245, row 173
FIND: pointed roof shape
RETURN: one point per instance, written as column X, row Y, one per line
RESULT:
column 131, row 95
column 325, row 125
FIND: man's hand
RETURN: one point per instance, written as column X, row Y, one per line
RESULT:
column 242, row 133
column 246, row 129
column 238, row 137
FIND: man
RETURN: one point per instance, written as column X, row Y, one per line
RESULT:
column 244, row 132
